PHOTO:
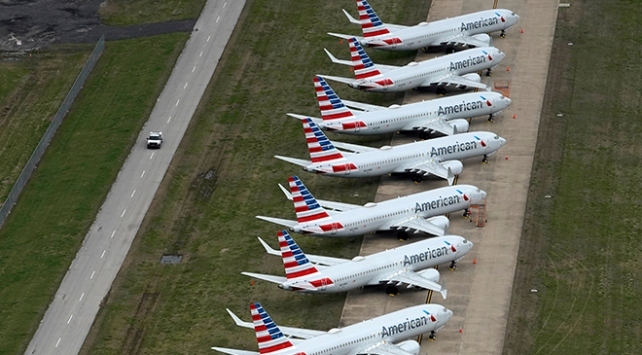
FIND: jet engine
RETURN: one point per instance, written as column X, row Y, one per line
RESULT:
column 440, row 221
column 483, row 38
column 431, row 274
column 455, row 166
column 410, row 346
column 473, row 77
column 460, row 124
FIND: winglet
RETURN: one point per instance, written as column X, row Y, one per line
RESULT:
column 336, row 60
column 268, row 249
column 238, row 320
column 350, row 18
column 286, row 192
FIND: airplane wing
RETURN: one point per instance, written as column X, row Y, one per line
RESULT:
column 287, row 331
column 382, row 67
column 454, row 79
column 353, row 147
column 382, row 348
column 335, row 206
column 234, row 351
column 416, row 224
column 362, row 106
column 436, row 124
column 463, row 39
column 412, row 278
column 427, row 167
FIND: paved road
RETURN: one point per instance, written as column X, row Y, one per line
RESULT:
column 479, row 294
column 89, row 278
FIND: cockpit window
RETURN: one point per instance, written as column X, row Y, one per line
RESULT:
column 496, row 137
column 465, row 241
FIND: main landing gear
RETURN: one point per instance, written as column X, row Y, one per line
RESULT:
column 441, row 91
column 392, row 291
column 417, row 178
column 488, row 72
column 466, row 213
column 425, row 135
column 502, row 34
column 432, row 336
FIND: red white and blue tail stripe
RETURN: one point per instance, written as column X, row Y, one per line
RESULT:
column 330, row 104
column 305, row 205
column 295, row 262
column 363, row 66
column 268, row 334
column 371, row 25
column 320, row 148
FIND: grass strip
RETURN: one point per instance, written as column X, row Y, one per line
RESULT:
column 43, row 233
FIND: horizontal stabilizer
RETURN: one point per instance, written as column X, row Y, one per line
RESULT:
column 269, row 278
column 295, row 161
column 282, row 222
column 316, row 120
column 338, row 79
column 338, row 61
column 363, row 106
column 339, row 35
column 234, row 351
column 354, row 147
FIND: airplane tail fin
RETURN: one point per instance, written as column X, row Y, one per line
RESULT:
column 363, row 66
column 371, row 25
column 295, row 262
column 320, row 148
column 305, row 205
column 330, row 104
column 268, row 334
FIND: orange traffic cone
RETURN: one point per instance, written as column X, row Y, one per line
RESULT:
column 461, row 330
column 341, row 40
column 506, row 157
column 514, row 116
column 475, row 261
column 521, row 31
column 507, row 68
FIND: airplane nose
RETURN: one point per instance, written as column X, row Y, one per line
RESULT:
column 508, row 101
column 449, row 313
column 502, row 141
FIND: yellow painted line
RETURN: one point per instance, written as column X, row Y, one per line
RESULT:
column 495, row 4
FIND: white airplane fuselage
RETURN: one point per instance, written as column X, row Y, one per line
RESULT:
column 378, row 216
column 389, row 160
column 369, row 270
column 436, row 33
column 428, row 72
column 392, row 327
column 407, row 117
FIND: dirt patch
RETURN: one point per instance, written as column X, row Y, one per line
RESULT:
column 26, row 25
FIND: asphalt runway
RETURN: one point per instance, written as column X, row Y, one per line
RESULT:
column 479, row 291
column 69, row 317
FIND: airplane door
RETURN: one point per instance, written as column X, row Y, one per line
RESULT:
column 334, row 228
column 346, row 171
column 324, row 284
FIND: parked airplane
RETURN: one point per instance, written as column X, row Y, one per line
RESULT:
column 380, row 335
column 470, row 29
column 439, row 156
column 457, row 69
column 421, row 212
column 445, row 115
column 411, row 264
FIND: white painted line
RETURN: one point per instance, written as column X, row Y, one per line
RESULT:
column 92, row 274
column 122, row 214
column 193, row 69
column 103, row 254
column 71, row 316
column 185, row 87
column 133, row 192
column 81, row 296
column 169, row 119
column 208, row 38
column 141, row 175
column 224, row 5
column 112, row 233
column 200, row 55
column 177, row 101
column 151, row 156
column 218, row 18
column 58, row 342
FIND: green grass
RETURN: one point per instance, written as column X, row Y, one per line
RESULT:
column 40, row 238
column 128, row 12
column 266, row 72
column 581, row 247
column 31, row 90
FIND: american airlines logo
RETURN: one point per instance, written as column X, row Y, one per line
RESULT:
column 454, row 148
column 462, row 107
column 484, row 22
column 437, row 203
column 427, row 255
column 468, row 62
column 407, row 325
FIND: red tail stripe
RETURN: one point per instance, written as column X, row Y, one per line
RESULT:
column 313, row 217
column 376, row 33
column 297, row 199
column 286, row 254
column 276, row 347
column 301, row 209
column 366, row 75
column 334, row 116
column 327, row 157
column 260, row 328
column 300, row 273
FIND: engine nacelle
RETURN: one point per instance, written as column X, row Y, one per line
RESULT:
column 483, row 38
column 455, row 166
column 410, row 346
column 460, row 124
column 440, row 221
column 431, row 274
column 473, row 77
